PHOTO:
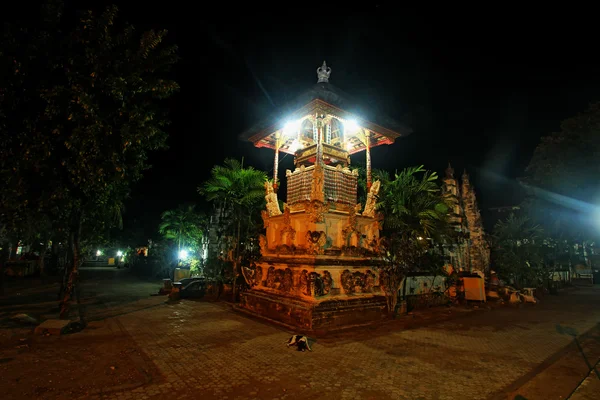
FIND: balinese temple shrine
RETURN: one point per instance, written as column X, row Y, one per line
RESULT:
column 318, row 254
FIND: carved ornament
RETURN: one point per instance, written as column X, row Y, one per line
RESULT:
column 271, row 198
column 323, row 73
column 358, row 282
column 262, row 240
column 317, row 192
column 288, row 233
column 316, row 241
column 315, row 210
column 371, row 202
column 265, row 217
column 314, row 284
column 279, row 279
column 253, row 276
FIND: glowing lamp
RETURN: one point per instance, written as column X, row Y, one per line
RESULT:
column 290, row 128
column 98, row 253
column 351, row 126
column 183, row 254
column 119, row 253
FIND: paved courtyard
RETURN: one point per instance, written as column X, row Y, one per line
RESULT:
column 205, row 348
column 199, row 349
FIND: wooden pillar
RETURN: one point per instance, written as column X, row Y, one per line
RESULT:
column 320, row 138
column 276, row 161
column 368, row 152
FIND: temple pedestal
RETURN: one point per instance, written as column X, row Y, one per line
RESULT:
column 326, row 315
column 319, row 257
column 315, row 293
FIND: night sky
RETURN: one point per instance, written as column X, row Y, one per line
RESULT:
column 477, row 94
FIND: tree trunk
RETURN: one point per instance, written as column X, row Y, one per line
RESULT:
column 3, row 258
column 74, row 274
column 236, row 261
column 42, row 259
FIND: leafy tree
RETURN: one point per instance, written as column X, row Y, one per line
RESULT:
column 183, row 225
column 519, row 249
column 562, row 178
column 414, row 212
column 82, row 112
column 239, row 192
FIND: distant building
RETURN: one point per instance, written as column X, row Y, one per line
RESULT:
column 472, row 250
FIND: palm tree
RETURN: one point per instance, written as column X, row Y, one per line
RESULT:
column 240, row 194
column 414, row 212
column 183, row 225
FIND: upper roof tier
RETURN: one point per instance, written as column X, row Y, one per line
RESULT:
column 323, row 98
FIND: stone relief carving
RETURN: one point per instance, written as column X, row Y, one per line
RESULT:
column 288, row 233
column 315, row 210
column 271, row 198
column 279, row 279
column 316, row 241
column 253, row 276
column 358, row 282
column 350, row 231
column 371, row 202
column 354, row 251
column 314, row 284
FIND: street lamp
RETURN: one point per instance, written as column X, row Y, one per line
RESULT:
column 183, row 254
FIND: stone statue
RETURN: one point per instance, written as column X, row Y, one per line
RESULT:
column 318, row 183
column 262, row 240
column 271, row 198
column 372, row 200
column 323, row 73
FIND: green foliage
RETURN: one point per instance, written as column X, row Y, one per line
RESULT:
column 234, row 186
column 414, row 213
column 79, row 112
column 519, row 252
column 184, row 226
column 239, row 193
column 81, row 109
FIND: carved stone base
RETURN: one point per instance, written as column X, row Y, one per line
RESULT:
column 309, row 317
column 317, row 293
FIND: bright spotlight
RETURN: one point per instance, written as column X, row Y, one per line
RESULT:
column 98, row 253
column 119, row 253
column 183, row 254
column 351, row 126
column 290, row 128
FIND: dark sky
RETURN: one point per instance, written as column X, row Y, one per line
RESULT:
column 477, row 94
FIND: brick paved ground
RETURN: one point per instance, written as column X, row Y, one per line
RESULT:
column 204, row 350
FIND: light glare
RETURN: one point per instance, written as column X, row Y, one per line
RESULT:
column 295, row 146
column 290, row 128
column 351, row 126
